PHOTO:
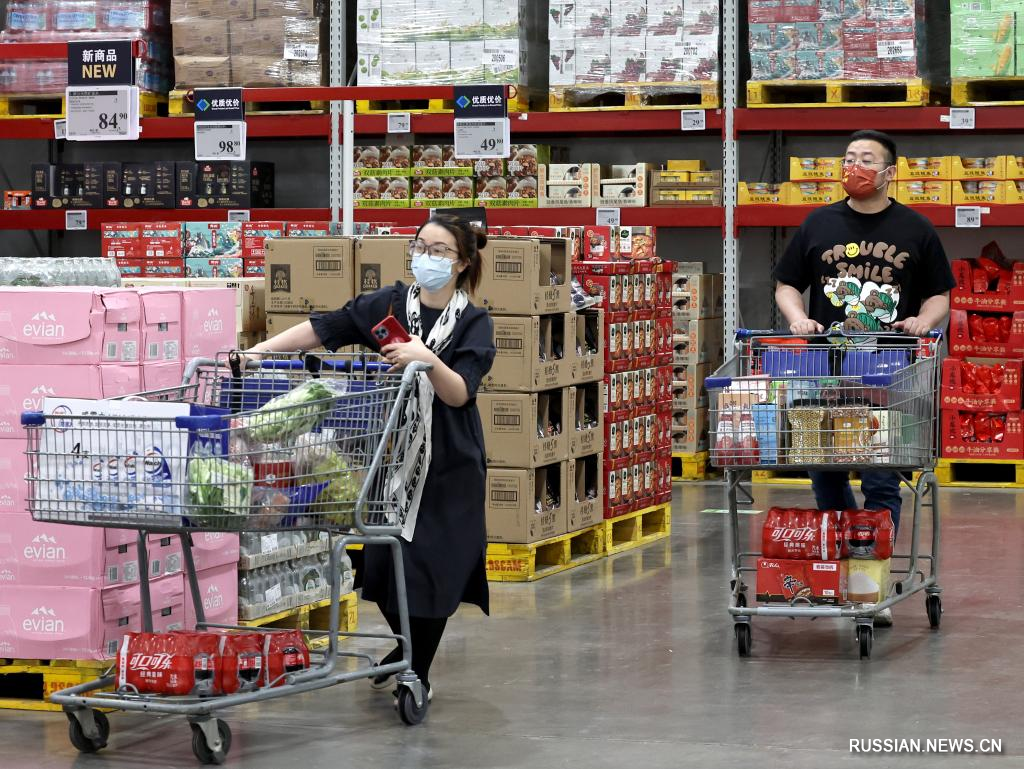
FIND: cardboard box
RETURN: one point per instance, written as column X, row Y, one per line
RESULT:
column 621, row 186
column 698, row 296
column 920, row 192
column 506, row 191
column 526, row 430
column 1005, row 397
column 309, row 274
column 1008, row 296
column 218, row 590
column 781, row 580
column 816, row 169
column 382, row 261
column 566, row 185
column 586, row 492
column 690, row 430
column 759, row 193
column 202, row 71
column 250, row 300
column 934, row 168
column 978, row 168
column 698, row 341
column 955, row 446
column 514, row 498
column 517, row 274
column 586, row 426
column 13, row 469
column 520, row 343
column 586, row 356
column 688, row 392
column 161, row 324
column 970, row 192
column 209, row 321
column 661, row 196
column 183, row 10
column 224, row 184
column 867, row 580
column 389, row 192
column 961, row 345
column 201, row 37
column 812, row 193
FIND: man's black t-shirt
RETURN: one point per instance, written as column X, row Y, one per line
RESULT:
column 865, row 270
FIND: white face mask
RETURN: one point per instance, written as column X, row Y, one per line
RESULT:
column 432, row 272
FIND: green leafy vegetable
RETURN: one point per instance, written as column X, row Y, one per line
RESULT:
column 222, row 489
column 293, row 413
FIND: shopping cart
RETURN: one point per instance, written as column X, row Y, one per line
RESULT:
column 217, row 455
column 831, row 402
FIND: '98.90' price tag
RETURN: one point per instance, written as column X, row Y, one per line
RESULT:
column 220, row 141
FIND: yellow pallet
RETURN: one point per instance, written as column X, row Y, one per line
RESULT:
column 584, row 97
column 637, row 529
column 1008, row 473
column 987, row 91
column 28, row 686
column 912, row 92
column 51, row 106
column 528, row 563
column 180, row 105
column 311, row 616
column 690, row 467
column 518, row 101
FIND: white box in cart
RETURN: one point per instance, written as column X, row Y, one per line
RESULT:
column 23, row 388
column 161, row 324
column 83, row 623
column 208, row 322
column 79, row 477
column 60, row 326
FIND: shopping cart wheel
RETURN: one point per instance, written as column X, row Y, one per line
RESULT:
column 202, row 749
column 409, row 712
column 865, row 637
column 743, row 639
column 933, row 604
column 78, row 737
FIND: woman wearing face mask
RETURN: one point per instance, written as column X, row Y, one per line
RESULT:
column 444, row 553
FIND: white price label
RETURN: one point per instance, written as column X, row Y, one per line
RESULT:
column 399, row 123
column 481, row 138
column 102, row 114
column 273, row 593
column 238, row 215
column 268, row 543
column 895, row 49
column 301, row 51
column 496, row 59
column 694, row 120
column 220, row 141
column 609, row 217
column 60, row 129
column 76, row 220
column 968, row 216
column 962, row 118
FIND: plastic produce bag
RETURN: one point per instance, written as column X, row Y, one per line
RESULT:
column 287, row 416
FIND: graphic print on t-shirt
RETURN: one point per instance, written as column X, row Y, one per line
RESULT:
column 866, row 290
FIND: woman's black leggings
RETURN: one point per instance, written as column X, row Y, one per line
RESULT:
column 426, row 635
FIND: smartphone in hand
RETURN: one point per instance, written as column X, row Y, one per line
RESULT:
column 389, row 331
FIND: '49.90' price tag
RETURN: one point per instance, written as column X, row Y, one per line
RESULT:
column 482, row 138
column 220, row 141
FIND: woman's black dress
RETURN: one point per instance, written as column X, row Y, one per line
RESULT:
column 444, row 564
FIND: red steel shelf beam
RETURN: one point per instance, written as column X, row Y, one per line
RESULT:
column 28, row 51
column 892, row 119
column 940, row 216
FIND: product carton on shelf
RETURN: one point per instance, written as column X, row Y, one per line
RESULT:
column 690, row 432
column 1006, row 440
column 566, row 185
column 621, row 186
column 697, row 296
column 972, row 192
column 442, row 192
column 525, row 429
column 989, row 394
column 524, row 506
column 218, row 591
column 587, row 354
column 923, row 192
column 382, row 261
column 816, row 169
column 13, row 487
column 962, row 345
column 688, row 391
column 933, row 168
column 309, row 274
column 525, row 277
column 506, row 191
column 812, row 193
column 661, row 196
column 759, row 193
column 224, row 184
column 586, row 492
column 1008, row 296
column 587, row 415
column 978, row 168
column 530, row 354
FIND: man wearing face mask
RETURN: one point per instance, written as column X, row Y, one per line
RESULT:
column 871, row 265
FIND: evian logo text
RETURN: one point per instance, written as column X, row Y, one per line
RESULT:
column 213, row 599
column 35, row 400
column 6, row 500
column 45, row 548
column 42, row 620
column 6, row 354
column 6, row 575
column 160, row 661
column 213, row 323
column 43, row 325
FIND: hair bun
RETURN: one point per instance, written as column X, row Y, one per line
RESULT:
column 481, row 237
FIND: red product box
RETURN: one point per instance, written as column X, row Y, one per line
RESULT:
column 635, row 243
column 820, row 582
column 980, row 387
column 963, row 343
column 618, row 392
column 253, row 268
column 999, row 290
column 663, row 429
column 617, row 480
column 764, row 11
column 973, row 435
column 307, row 229
column 618, row 434
column 120, row 240
column 799, row 10
column 167, row 267
column 664, row 287
column 634, row 381
column 597, row 243
column 639, row 434
column 663, row 376
column 394, row 229
column 614, row 287
column 131, row 267
column 255, row 235
column 159, row 247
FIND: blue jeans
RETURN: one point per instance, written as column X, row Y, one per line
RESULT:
column 881, row 491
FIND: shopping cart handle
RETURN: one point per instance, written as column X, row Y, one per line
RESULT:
column 33, row 419
column 716, row 382
column 747, row 333
column 877, row 380
column 203, row 422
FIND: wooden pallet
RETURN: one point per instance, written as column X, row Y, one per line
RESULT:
column 312, row 616
column 27, row 684
column 911, row 92
column 519, row 100
column 583, row 97
column 690, row 467
column 51, row 105
column 637, row 529
column 528, row 563
column 980, row 473
column 180, row 104
column 987, row 91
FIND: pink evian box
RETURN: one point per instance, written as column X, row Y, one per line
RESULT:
column 13, row 487
column 209, row 321
column 82, row 326
column 161, row 324
column 83, row 623
column 209, row 550
column 160, row 376
column 218, row 588
column 22, row 388
column 34, row 553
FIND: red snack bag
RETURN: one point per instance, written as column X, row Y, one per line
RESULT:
column 991, row 329
column 284, row 652
column 800, row 534
column 176, row 663
column 1005, row 322
column 867, row 534
column 983, row 428
column 998, row 426
column 241, row 662
column 977, row 327
column 966, row 426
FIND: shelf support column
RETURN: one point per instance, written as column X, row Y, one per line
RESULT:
column 730, row 167
column 342, row 130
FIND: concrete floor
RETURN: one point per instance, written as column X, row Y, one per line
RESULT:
column 631, row 662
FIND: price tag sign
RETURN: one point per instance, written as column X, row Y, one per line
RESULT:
column 220, row 141
column 102, row 114
column 694, row 120
column 609, row 217
column 895, row 49
column 482, row 138
column 60, row 129
column 76, row 220
column 968, row 216
column 961, row 118
column 238, row 215
column 399, row 123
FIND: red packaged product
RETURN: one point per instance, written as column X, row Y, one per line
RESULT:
column 820, row 582
column 241, row 662
column 867, row 534
column 284, row 652
column 800, row 534
column 176, row 663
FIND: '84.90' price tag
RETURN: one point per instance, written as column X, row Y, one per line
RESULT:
column 102, row 113
column 220, row 141
column 482, row 137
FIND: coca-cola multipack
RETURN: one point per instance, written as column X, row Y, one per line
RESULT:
column 801, row 534
column 205, row 664
column 867, row 534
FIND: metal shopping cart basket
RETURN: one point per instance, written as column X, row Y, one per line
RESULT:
column 218, row 454
column 831, row 402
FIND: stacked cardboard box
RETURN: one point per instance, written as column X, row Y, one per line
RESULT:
column 686, row 183
column 697, row 351
column 249, row 43
column 986, row 38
